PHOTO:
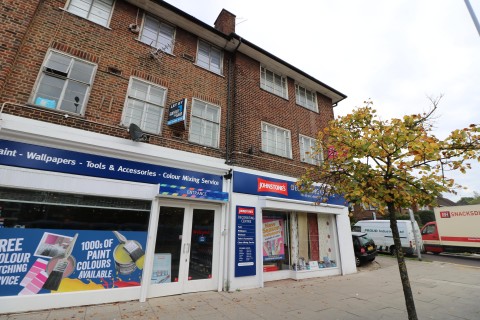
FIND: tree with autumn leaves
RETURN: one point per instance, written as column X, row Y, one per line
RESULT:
column 390, row 165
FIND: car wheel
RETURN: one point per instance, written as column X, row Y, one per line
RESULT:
column 357, row 261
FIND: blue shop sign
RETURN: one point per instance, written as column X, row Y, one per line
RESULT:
column 265, row 186
column 245, row 256
column 31, row 156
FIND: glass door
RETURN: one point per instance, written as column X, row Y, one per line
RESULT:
column 186, row 251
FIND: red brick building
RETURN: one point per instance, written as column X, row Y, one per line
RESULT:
column 138, row 143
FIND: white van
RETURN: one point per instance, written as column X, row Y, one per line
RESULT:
column 380, row 232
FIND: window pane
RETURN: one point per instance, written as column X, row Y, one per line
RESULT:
column 166, row 37
column 74, row 97
column 153, row 118
column 156, row 95
column 139, row 90
column 50, row 87
column 82, row 71
column 80, row 7
column 58, row 62
column 133, row 113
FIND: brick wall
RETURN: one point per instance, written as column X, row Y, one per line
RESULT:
column 119, row 55
column 16, row 16
column 114, row 48
column 254, row 105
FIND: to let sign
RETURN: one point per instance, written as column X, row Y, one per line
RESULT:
column 177, row 112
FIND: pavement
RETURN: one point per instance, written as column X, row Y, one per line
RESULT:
column 441, row 291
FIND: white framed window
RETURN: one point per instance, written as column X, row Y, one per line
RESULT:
column 209, row 57
column 306, row 98
column 98, row 11
column 276, row 140
column 64, row 83
column 144, row 105
column 307, row 145
column 204, row 124
column 273, row 83
column 158, row 34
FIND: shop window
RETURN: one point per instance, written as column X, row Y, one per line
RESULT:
column 209, row 57
column 59, row 242
column 98, row 11
column 306, row 98
column 273, row 83
column 297, row 241
column 64, row 83
column 276, row 140
column 204, row 124
column 144, row 106
column 316, row 248
column 158, row 34
column 276, row 241
column 307, row 147
column 28, row 209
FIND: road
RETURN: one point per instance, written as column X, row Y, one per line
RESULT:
column 466, row 260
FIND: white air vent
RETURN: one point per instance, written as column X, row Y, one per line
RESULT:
column 134, row 28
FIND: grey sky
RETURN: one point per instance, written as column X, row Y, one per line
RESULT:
column 396, row 53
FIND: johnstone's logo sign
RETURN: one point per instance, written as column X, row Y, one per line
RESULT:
column 271, row 186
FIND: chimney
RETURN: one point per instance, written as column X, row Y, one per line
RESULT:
column 225, row 22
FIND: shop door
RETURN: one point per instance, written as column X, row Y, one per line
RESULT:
column 187, row 250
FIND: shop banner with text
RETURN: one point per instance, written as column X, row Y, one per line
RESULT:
column 40, row 261
column 31, row 156
column 263, row 186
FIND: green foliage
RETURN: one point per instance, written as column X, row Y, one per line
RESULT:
column 425, row 216
column 388, row 164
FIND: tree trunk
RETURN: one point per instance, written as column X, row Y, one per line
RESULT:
column 402, row 267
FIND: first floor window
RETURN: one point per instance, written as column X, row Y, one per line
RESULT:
column 64, row 83
column 273, row 83
column 144, row 106
column 306, row 98
column 98, row 11
column 205, row 124
column 307, row 151
column 276, row 140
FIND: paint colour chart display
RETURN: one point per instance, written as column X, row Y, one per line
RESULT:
column 245, row 242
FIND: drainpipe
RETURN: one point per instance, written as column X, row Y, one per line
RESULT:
column 226, row 226
column 230, row 104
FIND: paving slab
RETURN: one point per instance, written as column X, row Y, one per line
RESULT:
column 441, row 291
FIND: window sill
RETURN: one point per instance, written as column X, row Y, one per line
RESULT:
column 286, row 99
column 213, row 72
column 65, row 114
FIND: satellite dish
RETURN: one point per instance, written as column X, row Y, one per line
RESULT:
column 136, row 134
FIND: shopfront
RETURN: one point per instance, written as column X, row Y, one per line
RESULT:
column 289, row 236
column 99, row 226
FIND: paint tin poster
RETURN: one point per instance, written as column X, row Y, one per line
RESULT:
column 40, row 261
column 273, row 240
